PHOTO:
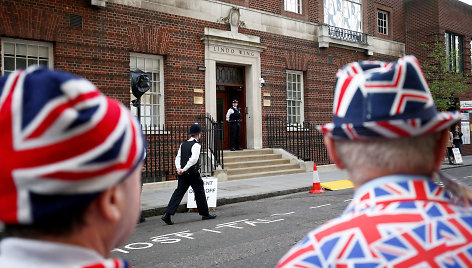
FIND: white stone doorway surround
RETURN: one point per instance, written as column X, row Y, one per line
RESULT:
column 234, row 48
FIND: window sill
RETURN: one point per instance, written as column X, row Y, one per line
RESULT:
column 297, row 128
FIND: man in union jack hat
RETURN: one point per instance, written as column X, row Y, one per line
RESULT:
column 70, row 171
column 389, row 137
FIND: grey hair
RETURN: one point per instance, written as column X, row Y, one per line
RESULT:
column 412, row 154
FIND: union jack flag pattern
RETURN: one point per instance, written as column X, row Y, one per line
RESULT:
column 406, row 223
column 376, row 99
column 61, row 143
column 110, row 263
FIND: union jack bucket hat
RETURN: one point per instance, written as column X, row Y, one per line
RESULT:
column 375, row 99
column 62, row 143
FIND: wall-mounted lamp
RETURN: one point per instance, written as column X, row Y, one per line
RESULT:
column 262, row 81
column 201, row 68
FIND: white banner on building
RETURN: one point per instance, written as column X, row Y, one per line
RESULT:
column 465, row 128
column 466, row 105
column 211, row 187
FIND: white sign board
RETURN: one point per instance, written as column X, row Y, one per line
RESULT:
column 466, row 105
column 211, row 187
column 465, row 116
column 457, row 155
column 465, row 128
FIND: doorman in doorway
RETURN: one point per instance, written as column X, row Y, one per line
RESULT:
column 233, row 116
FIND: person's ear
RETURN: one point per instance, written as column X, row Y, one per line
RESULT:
column 333, row 155
column 440, row 148
column 111, row 202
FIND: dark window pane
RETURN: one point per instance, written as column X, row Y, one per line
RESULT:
column 32, row 62
column 43, row 62
column 20, row 63
column 9, row 64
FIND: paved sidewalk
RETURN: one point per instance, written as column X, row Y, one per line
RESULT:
column 155, row 197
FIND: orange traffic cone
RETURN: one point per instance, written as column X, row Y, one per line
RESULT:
column 316, row 182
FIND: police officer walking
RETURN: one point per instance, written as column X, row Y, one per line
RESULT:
column 187, row 163
column 233, row 116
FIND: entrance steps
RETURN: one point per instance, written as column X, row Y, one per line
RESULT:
column 252, row 163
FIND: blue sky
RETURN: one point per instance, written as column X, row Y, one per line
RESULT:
column 467, row 1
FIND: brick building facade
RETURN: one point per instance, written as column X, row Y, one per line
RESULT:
column 443, row 20
column 186, row 44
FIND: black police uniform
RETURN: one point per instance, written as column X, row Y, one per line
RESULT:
column 235, row 128
column 192, row 178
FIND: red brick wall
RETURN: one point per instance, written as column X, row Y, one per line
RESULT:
column 396, row 28
column 319, row 67
column 456, row 17
column 99, row 51
column 421, row 22
column 313, row 11
column 426, row 20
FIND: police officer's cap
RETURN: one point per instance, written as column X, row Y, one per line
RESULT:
column 235, row 101
column 195, row 129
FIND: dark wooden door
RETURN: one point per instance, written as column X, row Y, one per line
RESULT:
column 237, row 92
column 230, row 82
column 221, row 109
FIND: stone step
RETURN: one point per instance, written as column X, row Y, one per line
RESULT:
column 246, row 170
column 246, row 158
column 264, row 174
column 257, row 163
column 247, row 152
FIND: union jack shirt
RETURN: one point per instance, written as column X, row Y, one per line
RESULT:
column 393, row 221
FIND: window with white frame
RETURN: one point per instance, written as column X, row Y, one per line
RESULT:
column 152, row 102
column 382, row 22
column 293, row 6
column 346, row 14
column 19, row 54
column 454, row 52
column 294, row 97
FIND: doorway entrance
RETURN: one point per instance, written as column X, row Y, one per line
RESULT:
column 229, row 86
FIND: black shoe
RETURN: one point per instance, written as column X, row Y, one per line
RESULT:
column 232, row 149
column 208, row 217
column 240, row 149
column 166, row 219
column 142, row 219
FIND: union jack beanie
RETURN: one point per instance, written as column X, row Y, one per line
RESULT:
column 62, row 143
column 375, row 99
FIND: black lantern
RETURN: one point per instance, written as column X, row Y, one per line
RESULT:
column 140, row 83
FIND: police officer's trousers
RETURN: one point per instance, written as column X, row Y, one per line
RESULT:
column 186, row 180
column 235, row 132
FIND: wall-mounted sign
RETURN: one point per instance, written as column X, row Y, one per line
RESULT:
column 197, row 100
column 266, row 102
column 465, row 116
column 465, row 128
column 233, row 51
column 466, row 105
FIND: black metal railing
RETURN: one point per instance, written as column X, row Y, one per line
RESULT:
column 302, row 140
column 163, row 145
column 212, row 145
column 347, row 35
